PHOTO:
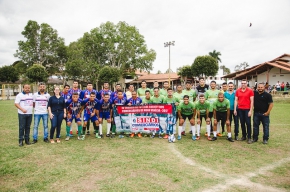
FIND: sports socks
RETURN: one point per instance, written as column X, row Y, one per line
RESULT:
column 193, row 129
column 179, row 130
column 208, row 130
column 198, row 129
column 67, row 130
column 100, row 129
column 108, row 128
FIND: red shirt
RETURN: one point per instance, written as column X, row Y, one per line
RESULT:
column 244, row 101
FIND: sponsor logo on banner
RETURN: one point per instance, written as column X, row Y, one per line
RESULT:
column 145, row 123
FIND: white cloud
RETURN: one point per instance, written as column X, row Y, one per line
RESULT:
column 197, row 27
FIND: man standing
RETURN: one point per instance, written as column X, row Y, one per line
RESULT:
column 133, row 101
column 230, row 95
column 130, row 91
column 202, row 87
column 75, row 88
column 105, row 90
column 263, row 105
column 202, row 111
column 163, row 91
column 244, row 104
column 142, row 89
column 40, row 100
column 24, row 103
column 221, row 112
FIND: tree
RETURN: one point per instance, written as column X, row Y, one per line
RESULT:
column 204, row 66
column 225, row 70
column 109, row 74
column 215, row 54
column 184, row 72
column 8, row 74
column 37, row 73
column 43, row 46
column 159, row 72
column 241, row 66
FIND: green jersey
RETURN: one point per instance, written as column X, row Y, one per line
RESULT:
column 163, row 92
column 158, row 99
column 202, row 107
column 186, row 109
column 179, row 96
column 146, row 101
column 221, row 106
column 211, row 96
column 191, row 93
column 171, row 100
column 141, row 92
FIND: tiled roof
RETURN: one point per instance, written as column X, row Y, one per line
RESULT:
column 157, row 77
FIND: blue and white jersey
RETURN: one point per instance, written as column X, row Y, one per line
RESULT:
column 115, row 95
column 74, row 107
column 67, row 96
column 86, row 94
column 103, row 92
column 104, row 107
column 136, row 101
column 72, row 91
column 118, row 101
column 89, row 105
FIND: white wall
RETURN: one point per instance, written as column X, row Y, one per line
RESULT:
column 274, row 76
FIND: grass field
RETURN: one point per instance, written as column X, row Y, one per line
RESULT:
column 144, row 164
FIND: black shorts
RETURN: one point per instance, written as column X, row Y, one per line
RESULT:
column 187, row 116
column 210, row 115
column 221, row 116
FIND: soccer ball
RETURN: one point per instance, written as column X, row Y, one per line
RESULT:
column 171, row 139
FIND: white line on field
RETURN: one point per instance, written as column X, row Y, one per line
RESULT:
column 242, row 180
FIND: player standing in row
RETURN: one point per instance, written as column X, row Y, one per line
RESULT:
column 163, row 91
column 157, row 99
column 88, row 106
column 201, row 88
column 186, row 110
column 244, row 101
column 221, row 112
column 211, row 96
column 142, row 89
column 119, row 100
column 155, row 84
column 202, row 111
column 85, row 95
column 40, row 100
column 230, row 95
column 75, row 88
column 133, row 101
column 192, row 96
column 105, row 90
column 74, row 106
column 170, row 99
column 103, row 110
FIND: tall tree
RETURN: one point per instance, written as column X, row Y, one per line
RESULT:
column 37, row 73
column 109, row 74
column 216, row 54
column 225, row 70
column 184, row 72
column 241, row 66
column 204, row 66
column 43, row 46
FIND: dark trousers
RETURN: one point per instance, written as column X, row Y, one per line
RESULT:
column 24, row 126
column 56, row 123
column 245, row 120
column 258, row 118
column 236, row 121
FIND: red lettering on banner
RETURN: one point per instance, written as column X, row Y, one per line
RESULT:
column 160, row 108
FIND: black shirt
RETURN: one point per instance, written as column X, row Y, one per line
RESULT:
column 56, row 104
column 262, row 102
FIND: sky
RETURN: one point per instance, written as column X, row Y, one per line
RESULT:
column 197, row 26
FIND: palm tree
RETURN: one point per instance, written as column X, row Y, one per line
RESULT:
column 215, row 54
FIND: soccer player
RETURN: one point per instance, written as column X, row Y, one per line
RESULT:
column 186, row 110
column 263, row 104
column 244, row 99
column 211, row 95
column 134, row 100
column 202, row 111
column 88, row 106
column 85, row 95
column 74, row 106
column 192, row 95
column 230, row 95
column 142, row 89
column 119, row 100
column 155, row 84
column 202, row 87
column 163, row 91
column 115, row 93
column 75, row 88
column 40, row 100
column 104, row 111
column 179, row 93
column 106, row 89
column 171, row 100
column 221, row 112
column 147, row 98
column 66, row 93
column 156, row 99
column 24, row 104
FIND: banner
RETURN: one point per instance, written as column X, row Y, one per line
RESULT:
column 144, row 118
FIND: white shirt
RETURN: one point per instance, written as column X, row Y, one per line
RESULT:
column 25, row 101
column 40, row 101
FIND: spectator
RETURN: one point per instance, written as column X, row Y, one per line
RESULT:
column 282, row 86
column 274, row 91
column 278, row 86
column 287, row 86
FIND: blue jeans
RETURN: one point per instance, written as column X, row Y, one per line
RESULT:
column 24, row 125
column 236, row 121
column 37, row 118
column 259, row 117
column 56, row 123
column 245, row 120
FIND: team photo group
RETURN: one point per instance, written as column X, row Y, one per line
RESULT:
column 161, row 112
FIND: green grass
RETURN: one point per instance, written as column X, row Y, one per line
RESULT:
column 140, row 164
